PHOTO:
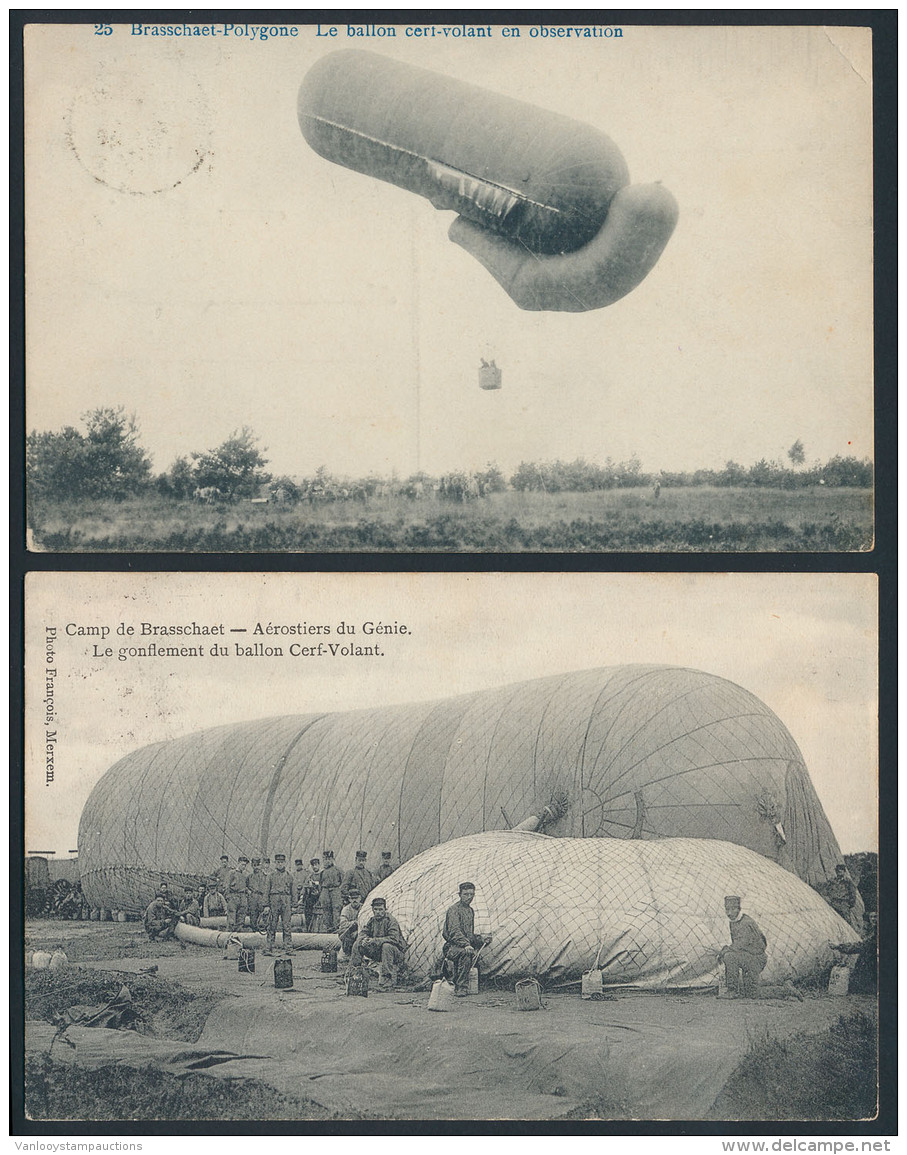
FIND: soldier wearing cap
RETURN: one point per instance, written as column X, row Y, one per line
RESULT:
column 461, row 943
column 299, row 874
column 160, row 917
column 841, row 894
column 348, row 927
column 222, row 873
column 744, row 960
column 382, row 939
column 359, row 877
column 258, row 883
column 214, row 902
column 385, row 870
column 191, row 907
column 281, row 898
column 237, row 895
column 331, row 883
column 311, row 892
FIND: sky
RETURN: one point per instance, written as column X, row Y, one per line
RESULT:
column 805, row 644
column 191, row 258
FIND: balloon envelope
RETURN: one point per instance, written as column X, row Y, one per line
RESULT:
column 648, row 914
column 641, row 752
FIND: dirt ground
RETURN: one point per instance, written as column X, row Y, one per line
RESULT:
column 206, row 1032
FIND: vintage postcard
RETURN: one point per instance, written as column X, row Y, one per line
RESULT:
column 320, row 847
column 446, row 286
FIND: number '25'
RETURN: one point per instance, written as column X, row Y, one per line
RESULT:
column 103, row 30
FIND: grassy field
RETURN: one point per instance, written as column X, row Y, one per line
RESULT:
column 831, row 1075
column 696, row 519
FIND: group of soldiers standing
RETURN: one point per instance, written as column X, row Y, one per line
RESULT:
column 269, row 895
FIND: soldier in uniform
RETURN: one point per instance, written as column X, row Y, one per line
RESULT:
column 382, row 939
column 258, row 883
column 160, row 917
column 299, row 873
column 744, row 960
column 331, row 882
column 222, row 873
column 349, row 921
column 841, row 894
column 359, row 877
column 191, row 908
column 461, row 943
column 311, row 892
column 214, row 902
column 237, row 895
column 385, row 870
column 281, row 898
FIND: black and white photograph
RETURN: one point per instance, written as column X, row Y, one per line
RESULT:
column 448, row 286
column 440, row 847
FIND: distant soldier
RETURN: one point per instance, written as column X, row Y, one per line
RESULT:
column 160, row 917
column 191, row 908
column 359, row 877
column 258, row 884
column 83, row 904
column 331, row 882
column 461, row 943
column 300, row 872
column 869, row 886
column 348, row 927
column 744, row 960
column 237, row 895
column 222, row 873
column 841, row 894
column 71, row 904
column 311, row 892
column 214, row 903
column 382, row 939
column 281, row 896
column 385, row 870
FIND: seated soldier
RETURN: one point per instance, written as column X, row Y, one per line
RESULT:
column 160, row 918
column 214, row 903
column 348, row 927
column 191, row 908
column 461, row 943
column 382, row 939
column 744, row 960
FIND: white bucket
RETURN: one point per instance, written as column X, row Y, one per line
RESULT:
column 474, row 981
column 41, row 960
column 839, row 980
column 233, row 947
column 591, row 984
column 58, row 961
column 442, row 996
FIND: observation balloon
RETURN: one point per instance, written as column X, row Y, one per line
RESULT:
column 543, row 200
column 648, row 914
column 636, row 752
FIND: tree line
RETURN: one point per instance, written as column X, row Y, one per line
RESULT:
column 105, row 460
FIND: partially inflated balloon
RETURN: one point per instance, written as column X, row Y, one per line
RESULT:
column 531, row 187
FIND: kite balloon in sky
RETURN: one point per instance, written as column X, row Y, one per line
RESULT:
column 543, row 202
